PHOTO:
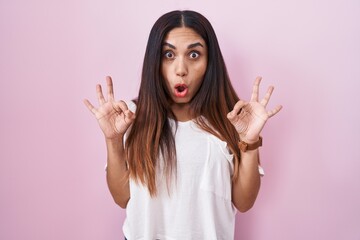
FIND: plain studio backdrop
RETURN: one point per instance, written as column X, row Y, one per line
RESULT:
column 52, row 152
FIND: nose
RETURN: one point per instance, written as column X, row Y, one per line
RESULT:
column 181, row 67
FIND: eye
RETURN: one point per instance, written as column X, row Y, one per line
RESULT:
column 194, row 55
column 169, row 54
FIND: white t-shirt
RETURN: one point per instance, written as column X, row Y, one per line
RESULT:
column 198, row 205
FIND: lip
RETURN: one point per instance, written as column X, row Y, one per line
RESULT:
column 180, row 90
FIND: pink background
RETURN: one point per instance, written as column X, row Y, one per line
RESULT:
column 52, row 53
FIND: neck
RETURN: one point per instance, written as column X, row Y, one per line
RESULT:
column 182, row 112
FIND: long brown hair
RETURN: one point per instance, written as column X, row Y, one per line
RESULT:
column 151, row 134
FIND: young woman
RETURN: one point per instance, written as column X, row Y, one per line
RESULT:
column 184, row 155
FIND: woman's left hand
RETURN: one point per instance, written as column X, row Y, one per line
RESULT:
column 249, row 118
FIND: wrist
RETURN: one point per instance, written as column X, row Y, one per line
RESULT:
column 249, row 140
column 114, row 141
column 250, row 145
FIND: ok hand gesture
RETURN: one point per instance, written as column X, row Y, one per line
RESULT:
column 113, row 117
column 249, row 118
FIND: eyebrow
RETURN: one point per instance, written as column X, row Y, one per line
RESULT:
column 190, row 46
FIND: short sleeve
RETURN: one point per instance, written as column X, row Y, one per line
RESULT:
column 261, row 171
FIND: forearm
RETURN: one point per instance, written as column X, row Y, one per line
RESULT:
column 246, row 187
column 117, row 175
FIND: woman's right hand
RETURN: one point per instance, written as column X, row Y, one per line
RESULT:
column 113, row 117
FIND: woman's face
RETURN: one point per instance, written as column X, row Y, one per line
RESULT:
column 183, row 65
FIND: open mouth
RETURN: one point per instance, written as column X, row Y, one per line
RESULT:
column 181, row 90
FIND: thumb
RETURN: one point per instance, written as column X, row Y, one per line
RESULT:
column 129, row 115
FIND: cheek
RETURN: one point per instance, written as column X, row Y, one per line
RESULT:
column 199, row 78
column 165, row 76
column 164, row 72
column 199, row 71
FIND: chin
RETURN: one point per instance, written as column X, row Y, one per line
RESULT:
column 181, row 100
